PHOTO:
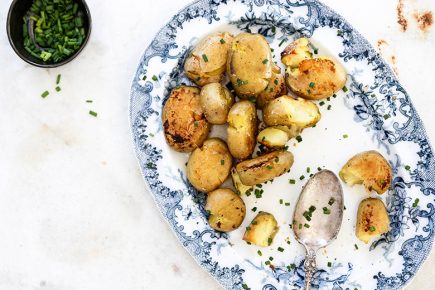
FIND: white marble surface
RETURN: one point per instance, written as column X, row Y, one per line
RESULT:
column 74, row 211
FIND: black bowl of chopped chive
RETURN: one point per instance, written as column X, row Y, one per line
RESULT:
column 48, row 33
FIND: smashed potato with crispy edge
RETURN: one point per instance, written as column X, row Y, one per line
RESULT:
column 262, row 230
column 372, row 219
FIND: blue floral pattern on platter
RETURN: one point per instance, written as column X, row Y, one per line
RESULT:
column 379, row 106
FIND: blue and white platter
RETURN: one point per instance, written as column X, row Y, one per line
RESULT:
column 374, row 112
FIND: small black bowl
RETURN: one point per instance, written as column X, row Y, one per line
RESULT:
column 14, row 27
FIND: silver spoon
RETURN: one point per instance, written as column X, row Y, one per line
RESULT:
column 317, row 217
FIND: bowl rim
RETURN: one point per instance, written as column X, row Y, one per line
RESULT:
column 48, row 65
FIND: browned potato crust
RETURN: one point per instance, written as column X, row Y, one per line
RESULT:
column 372, row 219
column 242, row 127
column 249, row 65
column 316, row 79
column 275, row 88
column 296, row 52
column 183, row 120
column 207, row 61
column 291, row 112
column 262, row 230
column 227, row 210
column 369, row 168
column 265, row 167
column 209, row 165
column 216, row 101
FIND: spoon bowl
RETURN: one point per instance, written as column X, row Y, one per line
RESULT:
column 318, row 216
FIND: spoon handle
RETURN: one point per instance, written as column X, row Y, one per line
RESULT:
column 310, row 267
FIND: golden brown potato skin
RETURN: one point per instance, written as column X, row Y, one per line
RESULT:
column 262, row 230
column 291, row 112
column 275, row 88
column 207, row 61
column 209, row 165
column 265, row 167
column 296, row 52
column 183, row 120
column 242, row 127
column 315, row 79
column 369, row 168
column 216, row 101
column 250, row 64
column 372, row 219
column 227, row 210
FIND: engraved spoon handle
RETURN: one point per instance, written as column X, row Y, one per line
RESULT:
column 310, row 267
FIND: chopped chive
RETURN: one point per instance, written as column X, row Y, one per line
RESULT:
column 345, row 136
column 319, row 169
column 270, row 258
column 311, row 85
column 329, row 264
column 154, row 78
column 308, row 170
column 269, row 167
column 292, row 181
column 267, row 262
column 89, row 101
column 287, row 204
column 312, row 208
column 316, row 51
column 288, row 242
column 329, row 107
column 307, row 226
column 321, row 103
column 265, row 61
column 407, row 167
column 269, row 241
column 326, row 210
column 144, row 77
column 280, row 249
column 92, row 113
column 254, row 209
column 205, row 58
column 372, row 228
column 281, row 201
column 275, row 82
column 331, row 201
column 356, row 246
column 58, row 89
column 302, row 177
column 386, row 117
column 58, row 79
column 345, row 89
column 300, row 226
column 334, row 95
column 416, row 201
column 282, row 41
column 222, row 41
column 299, row 138
column 245, row 287
column 222, row 162
column 45, row 94
column 259, row 253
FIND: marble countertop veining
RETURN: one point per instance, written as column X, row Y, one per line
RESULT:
column 74, row 211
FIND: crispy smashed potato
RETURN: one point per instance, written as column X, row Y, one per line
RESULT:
column 372, row 219
column 250, row 64
column 291, row 112
column 273, row 137
column 227, row 210
column 207, row 61
column 262, row 230
column 242, row 127
column 265, row 167
column 209, row 165
column 296, row 52
column 240, row 187
column 369, row 168
column 308, row 77
column 216, row 101
column 183, row 120
column 275, row 88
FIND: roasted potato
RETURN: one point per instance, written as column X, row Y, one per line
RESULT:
column 207, row 61
column 262, row 230
column 275, row 88
column 227, row 210
column 183, row 120
column 291, row 112
column 242, row 127
column 369, row 168
column 216, row 101
column 315, row 79
column 240, row 187
column 296, row 52
column 372, row 219
column 273, row 137
column 250, row 64
column 265, row 167
column 209, row 165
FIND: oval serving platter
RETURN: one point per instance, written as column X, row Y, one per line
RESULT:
column 372, row 112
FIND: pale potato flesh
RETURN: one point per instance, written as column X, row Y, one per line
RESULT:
column 226, row 210
column 183, row 119
column 296, row 52
column 273, row 137
column 292, row 112
column 216, row 101
column 241, row 188
column 372, row 219
column 209, row 166
column 250, row 64
column 262, row 230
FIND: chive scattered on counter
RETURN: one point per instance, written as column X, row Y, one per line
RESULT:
column 45, row 94
column 299, row 139
column 154, row 78
column 292, row 181
column 254, row 209
column 58, row 79
column 356, row 246
column 89, row 101
column 326, row 210
column 331, row 201
column 58, row 29
column 280, row 249
column 345, row 136
column 329, row 264
column 92, row 113
column 407, row 167
column 281, row 201
column 58, row 89
column 416, row 201
column 287, row 204
column 302, row 177
column 321, row 103
column 345, row 89
column 282, row 41
column 259, row 253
